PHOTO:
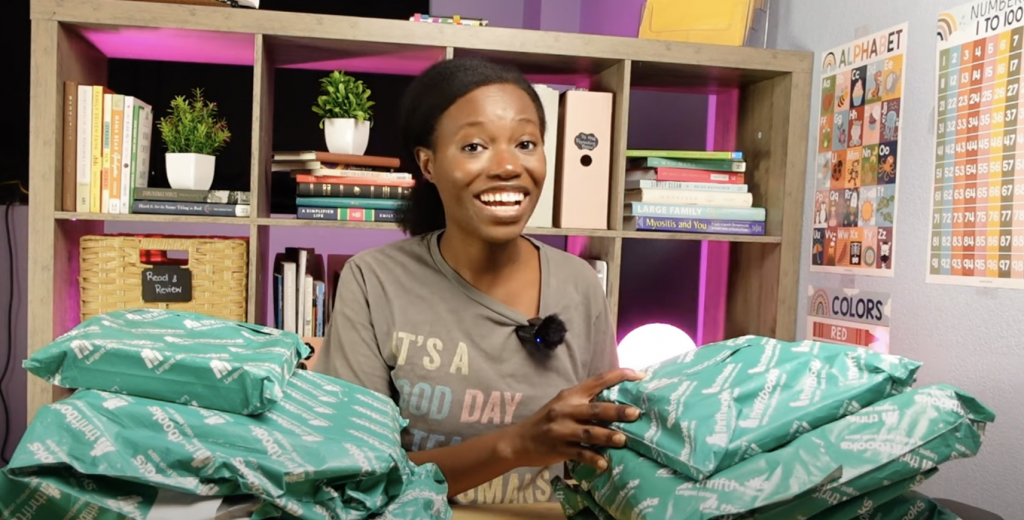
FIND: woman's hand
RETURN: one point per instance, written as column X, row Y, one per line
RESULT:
column 558, row 431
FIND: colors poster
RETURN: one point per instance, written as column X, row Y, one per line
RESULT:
column 849, row 317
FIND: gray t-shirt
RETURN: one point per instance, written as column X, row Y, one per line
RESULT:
column 405, row 324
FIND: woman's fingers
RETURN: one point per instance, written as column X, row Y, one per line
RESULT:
column 590, row 458
column 593, row 386
column 602, row 412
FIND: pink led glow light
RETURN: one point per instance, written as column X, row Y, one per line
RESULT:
column 177, row 45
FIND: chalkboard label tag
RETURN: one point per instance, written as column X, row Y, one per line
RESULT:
column 166, row 284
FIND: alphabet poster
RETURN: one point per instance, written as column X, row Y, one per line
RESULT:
column 977, row 216
column 858, row 155
column 849, row 317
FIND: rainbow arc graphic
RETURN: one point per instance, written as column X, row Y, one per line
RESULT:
column 829, row 63
column 946, row 27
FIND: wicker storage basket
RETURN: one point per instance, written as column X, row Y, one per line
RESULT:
column 111, row 266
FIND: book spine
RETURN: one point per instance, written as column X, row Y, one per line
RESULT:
column 686, row 154
column 362, row 191
column 84, row 149
column 696, row 225
column 320, row 301
column 209, row 197
column 96, row 172
column 127, row 147
column 694, row 198
column 685, row 175
column 346, row 214
column 305, row 178
column 348, row 202
column 278, row 301
column 643, row 209
column 69, row 171
column 108, row 105
column 350, row 173
column 637, row 184
column 190, row 208
column 116, row 148
column 693, row 164
column 134, row 170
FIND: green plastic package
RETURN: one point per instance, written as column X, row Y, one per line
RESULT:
column 327, row 448
column 718, row 405
column 174, row 356
column 892, row 440
column 910, row 506
column 860, row 504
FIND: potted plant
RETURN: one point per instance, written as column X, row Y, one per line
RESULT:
column 344, row 107
column 193, row 136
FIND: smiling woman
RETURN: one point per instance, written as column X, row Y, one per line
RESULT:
column 436, row 321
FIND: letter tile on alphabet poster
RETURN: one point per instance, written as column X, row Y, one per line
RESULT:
column 977, row 217
column 849, row 317
column 858, row 155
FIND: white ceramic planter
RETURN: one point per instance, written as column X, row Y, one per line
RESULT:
column 346, row 135
column 190, row 171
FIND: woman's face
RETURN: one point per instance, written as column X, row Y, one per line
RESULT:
column 488, row 162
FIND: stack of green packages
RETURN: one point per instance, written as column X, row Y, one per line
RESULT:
column 755, row 428
column 324, row 449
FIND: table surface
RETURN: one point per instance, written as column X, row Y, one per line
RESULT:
column 546, row 511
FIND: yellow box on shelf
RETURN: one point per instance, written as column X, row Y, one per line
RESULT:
column 724, row 22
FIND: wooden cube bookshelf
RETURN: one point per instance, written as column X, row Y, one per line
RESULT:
column 75, row 39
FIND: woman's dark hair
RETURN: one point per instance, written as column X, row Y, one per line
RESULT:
column 426, row 99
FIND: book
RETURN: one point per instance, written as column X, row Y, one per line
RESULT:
column 84, row 150
column 693, row 198
column 348, row 172
column 347, row 214
column 208, row 196
column 190, row 208
column 348, row 202
column 362, row 191
column 635, row 184
column 356, row 179
column 694, row 225
column 142, row 132
column 69, row 170
column 693, row 164
column 338, row 158
column 128, row 143
column 684, row 175
column 686, row 154
column 643, row 209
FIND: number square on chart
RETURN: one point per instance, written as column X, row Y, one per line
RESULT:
column 842, row 96
column 856, row 127
column 823, row 172
column 821, row 208
column 892, row 77
column 840, row 132
column 851, row 216
column 868, row 202
column 836, row 208
column 851, row 177
column 887, row 162
column 890, row 122
column 944, row 63
column 858, row 86
column 1016, row 39
column 885, row 208
column 872, row 123
column 869, row 165
column 837, row 177
column 818, row 247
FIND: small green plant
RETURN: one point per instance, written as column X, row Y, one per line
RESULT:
column 342, row 96
column 193, row 126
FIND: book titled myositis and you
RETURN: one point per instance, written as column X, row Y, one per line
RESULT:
column 690, row 192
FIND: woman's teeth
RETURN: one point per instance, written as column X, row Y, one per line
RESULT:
column 506, row 197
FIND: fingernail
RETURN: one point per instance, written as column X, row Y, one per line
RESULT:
column 602, row 465
column 619, row 439
column 633, row 413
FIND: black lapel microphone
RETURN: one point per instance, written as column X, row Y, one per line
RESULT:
column 548, row 333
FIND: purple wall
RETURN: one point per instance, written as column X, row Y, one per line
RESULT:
column 14, row 289
column 611, row 17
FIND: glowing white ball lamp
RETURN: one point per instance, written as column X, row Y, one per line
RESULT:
column 652, row 343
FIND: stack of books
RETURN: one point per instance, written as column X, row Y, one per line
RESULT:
column 107, row 145
column 304, row 290
column 330, row 186
column 170, row 201
column 689, row 192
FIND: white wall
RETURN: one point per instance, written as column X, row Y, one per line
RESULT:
column 968, row 337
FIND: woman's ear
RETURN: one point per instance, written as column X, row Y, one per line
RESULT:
column 425, row 159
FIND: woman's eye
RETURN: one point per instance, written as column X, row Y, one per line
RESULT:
column 472, row 147
column 527, row 145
